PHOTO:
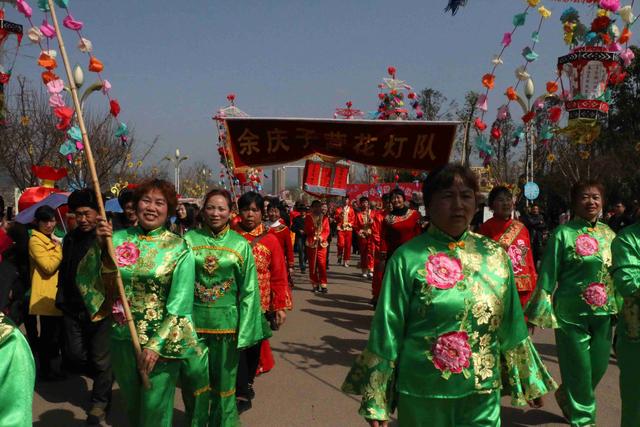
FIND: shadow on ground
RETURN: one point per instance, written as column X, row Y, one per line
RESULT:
column 514, row 417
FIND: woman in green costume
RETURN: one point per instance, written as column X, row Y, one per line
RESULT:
column 226, row 310
column 448, row 321
column 626, row 278
column 17, row 376
column 157, row 269
column 575, row 270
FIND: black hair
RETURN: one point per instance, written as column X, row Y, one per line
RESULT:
column 363, row 198
column 579, row 187
column 84, row 198
column 125, row 196
column 316, row 203
column 190, row 220
column 397, row 191
column 443, row 178
column 498, row 191
column 251, row 197
column 44, row 213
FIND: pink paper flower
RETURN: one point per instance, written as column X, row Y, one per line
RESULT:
column 72, row 24
column 56, row 100
column 47, row 30
column 24, row 8
column 586, row 245
column 117, row 311
column 452, row 352
column 595, row 294
column 443, row 271
column 127, row 254
column 610, row 5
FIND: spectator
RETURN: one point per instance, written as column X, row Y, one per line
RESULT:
column 297, row 226
column 185, row 219
column 128, row 217
column 620, row 218
column 537, row 230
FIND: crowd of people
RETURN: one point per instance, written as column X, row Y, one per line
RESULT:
column 207, row 285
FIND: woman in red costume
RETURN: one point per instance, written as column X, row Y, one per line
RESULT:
column 275, row 294
column 514, row 238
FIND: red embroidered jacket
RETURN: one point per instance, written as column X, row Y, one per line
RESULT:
column 313, row 228
column 345, row 220
column 398, row 230
column 283, row 233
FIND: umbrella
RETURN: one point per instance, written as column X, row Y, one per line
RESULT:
column 112, row 205
column 55, row 200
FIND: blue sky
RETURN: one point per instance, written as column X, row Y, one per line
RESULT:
column 172, row 63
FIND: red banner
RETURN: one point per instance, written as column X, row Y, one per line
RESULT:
column 419, row 145
column 325, row 179
column 375, row 191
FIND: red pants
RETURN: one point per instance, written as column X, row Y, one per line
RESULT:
column 524, row 297
column 367, row 250
column 378, row 274
column 317, row 275
column 344, row 245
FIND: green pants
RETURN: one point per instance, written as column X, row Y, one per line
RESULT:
column 584, row 345
column 153, row 407
column 628, row 353
column 223, row 369
column 476, row 410
column 194, row 382
column 17, row 377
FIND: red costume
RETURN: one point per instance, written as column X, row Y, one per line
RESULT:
column 397, row 228
column 283, row 233
column 364, row 223
column 275, row 293
column 345, row 219
column 514, row 238
column 316, row 230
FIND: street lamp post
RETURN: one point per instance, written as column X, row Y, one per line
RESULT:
column 177, row 160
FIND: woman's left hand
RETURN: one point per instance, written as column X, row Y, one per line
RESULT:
column 281, row 316
column 147, row 360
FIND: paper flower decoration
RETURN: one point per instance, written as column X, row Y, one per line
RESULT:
column 64, row 114
column 529, row 54
column 34, row 34
column 552, row 87
column 625, row 36
column 521, row 73
column 24, row 8
column 55, row 86
column 74, row 133
column 488, row 81
column 519, row 19
column 511, row 93
column 55, row 100
column 533, row 3
column 610, row 5
column 114, row 107
column 506, row 39
column 122, row 130
column 68, row 148
column 600, row 24
column 535, row 37
column 479, row 124
column 544, row 12
column 496, row 133
column 497, row 60
column 72, row 24
column 95, row 65
column 554, row 114
column 482, row 102
column 45, row 61
column 627, row 57
column 626, row 14
column 43, row 5
column 503, row 113
column 614, row 47
column 48, row 76
column 106, row 86
column 551, row 158
column 85, row 45
column 47, row 30
column 528, row 117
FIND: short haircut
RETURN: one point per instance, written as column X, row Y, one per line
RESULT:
column 498, row 191
column 315, row 203
column 397, row 191
column 165, row 187
column 386, row 198
column 579, row 187
column 85, row 198
column 125, row 196
column 217, row 192
column 364, row 199
column 443, row 178
column 44, row 213
column 251, row 197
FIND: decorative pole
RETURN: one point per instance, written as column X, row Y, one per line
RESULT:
column 96, row 187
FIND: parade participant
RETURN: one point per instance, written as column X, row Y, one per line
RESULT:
column 378, row 259
column 128, row 217
column 577, row 260
column 448, row 322
column 345, row 219
column 514, row 238
column 277, row 227
column 332, row 224
column 275, row 294
column 45, row 253
column 157, row 270
column 364, row 221
column 226, row 310
column 297, row 227
column 626, row 277
column 17, row 376
column 86, row 342
column 316, row 230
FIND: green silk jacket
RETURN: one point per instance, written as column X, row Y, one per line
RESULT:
column 447, row 315
column 157, row 269
column 227, row 297
column 626, row 276
column 576, row 260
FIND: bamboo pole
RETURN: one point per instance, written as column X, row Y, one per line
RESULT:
column 96, row 187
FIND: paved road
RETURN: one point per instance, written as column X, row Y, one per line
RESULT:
column 313, row 353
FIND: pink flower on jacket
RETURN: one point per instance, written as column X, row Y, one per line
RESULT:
column 586, row 245
column 117, row 311
column 452, row 352
column 595, row 294
column 127, row 254
column 443, row 271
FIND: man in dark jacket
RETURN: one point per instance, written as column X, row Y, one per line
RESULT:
column 86, row 341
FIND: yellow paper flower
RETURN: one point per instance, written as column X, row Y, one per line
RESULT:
column 602, row 12
column 568, row 38
column 584, row 155
column 544, row 12
column 24, row 120
column 551, row 158
column 626, row 13
column 533, row 3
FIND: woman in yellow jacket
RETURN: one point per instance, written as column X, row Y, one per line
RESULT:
column 45, row 254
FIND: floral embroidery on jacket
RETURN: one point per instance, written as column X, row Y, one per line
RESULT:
column 596, row 294
column 211, row 264
column 586, row 245
column 443, row 271
column 451, row 353
column 127, row 254
column 214, row 293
